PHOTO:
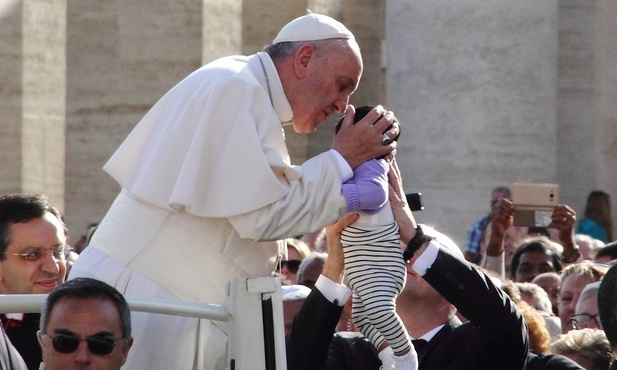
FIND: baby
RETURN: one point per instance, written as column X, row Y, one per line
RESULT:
column 374, row 264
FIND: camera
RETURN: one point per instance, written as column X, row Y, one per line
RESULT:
column 533, row 203
column 415, row 201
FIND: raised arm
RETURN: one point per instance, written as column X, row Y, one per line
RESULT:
column 563, row 219
column 308, row 342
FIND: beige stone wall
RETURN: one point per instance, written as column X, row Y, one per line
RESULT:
column 10, row 100
column 43, row 99
column 474, row 83
column 222, row 29
column 33, row 90
column 587, row 91
column 122, row 57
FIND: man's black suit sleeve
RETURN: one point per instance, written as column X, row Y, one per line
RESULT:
column 312, row 329
column 352, row 351
column 501, row 330
column 551, row 362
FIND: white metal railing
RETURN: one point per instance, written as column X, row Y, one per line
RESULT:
column 252, row 344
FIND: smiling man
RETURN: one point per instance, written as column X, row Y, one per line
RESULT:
column 208, row 189
column 33, row 251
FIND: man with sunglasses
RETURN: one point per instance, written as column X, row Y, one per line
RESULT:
column 85, row 323
column 33, row 252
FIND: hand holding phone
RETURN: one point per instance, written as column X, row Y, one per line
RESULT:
column 534, row 203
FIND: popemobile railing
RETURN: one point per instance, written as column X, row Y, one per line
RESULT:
column 252, row 344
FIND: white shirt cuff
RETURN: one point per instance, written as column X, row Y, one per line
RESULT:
column 343, row 165
column 335, row 293
column 426, row 259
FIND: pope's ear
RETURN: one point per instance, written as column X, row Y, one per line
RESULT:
column 303, row 58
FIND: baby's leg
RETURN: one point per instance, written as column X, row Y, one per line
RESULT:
column 378, row 293
column 376, row 273
column 361, row 321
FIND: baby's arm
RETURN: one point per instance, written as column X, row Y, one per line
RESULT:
column 367, row 190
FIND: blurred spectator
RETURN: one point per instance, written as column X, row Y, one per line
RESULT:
column 587, row 347
column 533, row 257
column 587, row 245
column 475, row 235
column 297, row 250
column 607, row 253
column 539, row 337
column 573, row 279
column 84, row 240
column 316, row 240
column 549, row 281
column 597, row 220
column 311, row 268
column 538, row 298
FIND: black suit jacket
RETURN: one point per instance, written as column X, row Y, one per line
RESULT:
column 351, row 350
column 551, row 362
column 311, row 332
column 494, row 338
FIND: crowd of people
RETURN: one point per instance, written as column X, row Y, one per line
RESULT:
column 364, row 285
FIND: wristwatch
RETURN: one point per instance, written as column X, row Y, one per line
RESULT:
column 415, row 243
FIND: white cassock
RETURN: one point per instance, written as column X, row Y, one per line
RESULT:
column 208, row 188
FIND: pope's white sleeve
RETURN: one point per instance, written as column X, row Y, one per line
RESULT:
column 312, row 201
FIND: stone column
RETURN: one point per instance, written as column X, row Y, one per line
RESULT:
column 35, row 99
column 10, row 100
column 366, row 19
column 608, row 96
column 122, row 57
column 587, row 113
column 474, row 84
column 221, row 29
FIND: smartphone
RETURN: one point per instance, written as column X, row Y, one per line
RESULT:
column 415, row 201
column 533, row 203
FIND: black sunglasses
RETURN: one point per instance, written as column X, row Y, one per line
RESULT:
column 292, row 265
column 70, row 343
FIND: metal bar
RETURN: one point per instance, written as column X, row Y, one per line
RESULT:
column 32, row 303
